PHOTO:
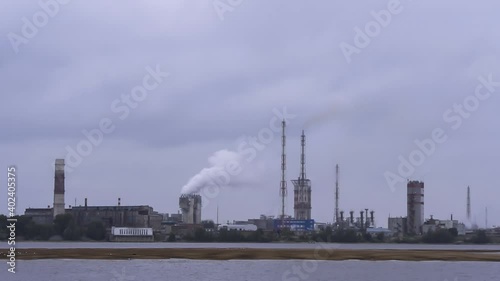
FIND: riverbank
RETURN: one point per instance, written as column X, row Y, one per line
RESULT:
column 258, row 254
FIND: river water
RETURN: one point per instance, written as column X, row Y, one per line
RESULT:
column 239, row 270
column 258, row 270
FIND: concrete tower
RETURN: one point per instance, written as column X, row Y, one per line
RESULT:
column 415, row 206
column 190, row 205
column 59, row 188
column 302, row 188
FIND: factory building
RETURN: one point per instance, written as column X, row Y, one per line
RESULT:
column 415, row 207
column 131, row 234
column 40, row 215
column 118, row 216
column 435, row 224
column 364, row 221
column 265, row 223
column 397, row 225
column 190, row 205
column 302, row 188
column 47, row 215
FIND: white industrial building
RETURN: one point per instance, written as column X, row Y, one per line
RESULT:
column 131, row 234
column 239, row 227
column 434, row 224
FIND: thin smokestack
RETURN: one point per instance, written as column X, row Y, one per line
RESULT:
column 468, row 203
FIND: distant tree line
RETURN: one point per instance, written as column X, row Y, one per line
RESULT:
column 225, row 235
column 63, row 225
column 439, row 236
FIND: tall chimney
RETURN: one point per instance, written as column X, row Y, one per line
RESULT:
column 367, row 223
column 372, row 217
column 85, row 202
column 468, row 203
column 59, row 188
column 361, row 214
column 352, row 216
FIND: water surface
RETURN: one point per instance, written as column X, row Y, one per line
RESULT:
column 261, row 270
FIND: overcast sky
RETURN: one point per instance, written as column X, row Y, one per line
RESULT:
column 230, row 68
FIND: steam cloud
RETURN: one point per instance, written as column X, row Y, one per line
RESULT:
column 339, row 107
column 225, row 169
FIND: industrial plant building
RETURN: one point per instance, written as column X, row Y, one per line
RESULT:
column 190, row 205
column 59, row 188
column 397, row 226
column 415, row 206
column 302, row 188
column 365, row 220
column 111, row 216
column 435, row 224
column 412, row 223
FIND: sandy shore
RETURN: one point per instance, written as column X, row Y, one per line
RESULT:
column 245, row 254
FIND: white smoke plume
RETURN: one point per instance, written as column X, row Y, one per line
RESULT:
column 225, row 169
column 332, row 112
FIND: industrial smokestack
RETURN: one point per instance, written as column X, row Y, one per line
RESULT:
column 367, row 221
column 351, row 214
column 59, row 188
column 283, row 190
column 337, row 193
column 361, row 215
column 468, row 203
column 341, row 216
column 85, row 202
column 372, row 217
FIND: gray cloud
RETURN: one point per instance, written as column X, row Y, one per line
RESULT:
column 227, row 76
